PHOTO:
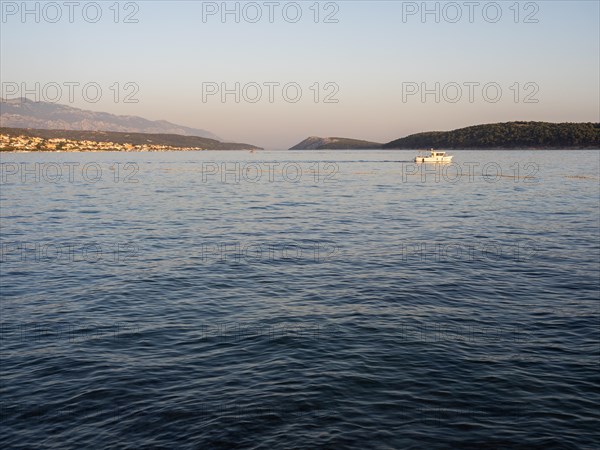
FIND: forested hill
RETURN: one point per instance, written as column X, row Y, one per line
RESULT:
column 507, row 135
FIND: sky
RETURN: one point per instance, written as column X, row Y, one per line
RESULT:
column 373, row 70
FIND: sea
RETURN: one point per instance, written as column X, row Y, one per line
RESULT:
column 300, row 300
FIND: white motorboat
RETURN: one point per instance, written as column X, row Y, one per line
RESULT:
column 434, row 157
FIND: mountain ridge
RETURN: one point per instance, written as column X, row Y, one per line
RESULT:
column 24, row 113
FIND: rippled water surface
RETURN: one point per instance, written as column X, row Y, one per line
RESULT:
column 282, row 300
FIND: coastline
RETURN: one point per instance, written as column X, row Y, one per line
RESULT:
column 545, row 149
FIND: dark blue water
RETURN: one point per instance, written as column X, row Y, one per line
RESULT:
column 336, row 300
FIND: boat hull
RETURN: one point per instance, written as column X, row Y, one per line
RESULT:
column 434, row 159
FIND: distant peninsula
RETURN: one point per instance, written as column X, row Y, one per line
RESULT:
column 508, row 135
column 26, row 139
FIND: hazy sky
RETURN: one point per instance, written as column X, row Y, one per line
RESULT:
column 374, row 61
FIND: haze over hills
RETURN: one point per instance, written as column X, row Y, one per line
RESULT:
column 334, row 143
column 24, row 113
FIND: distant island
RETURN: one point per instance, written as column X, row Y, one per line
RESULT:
column 334, row 143
column 508, row 135
column 22, row 139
